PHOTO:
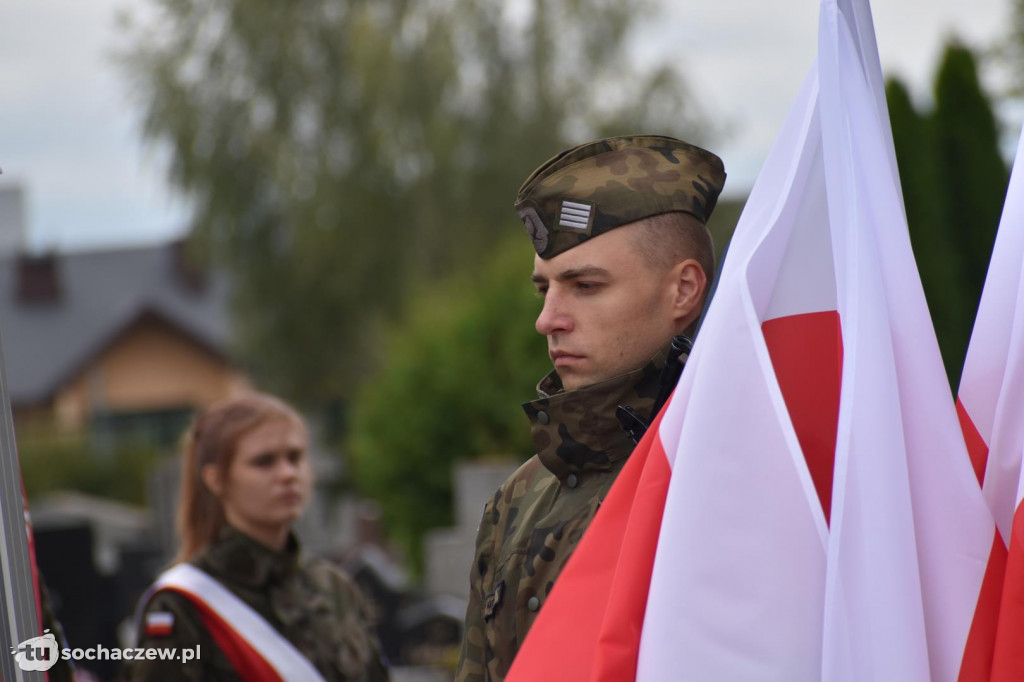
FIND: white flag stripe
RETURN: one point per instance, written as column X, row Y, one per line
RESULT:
column 573, row 204
column 992, row 387
column 728, row 564
column 769, row 565
column 804, row 281
column 874, row 616
column 992, row 394
column 786, row 199
column 862, row 29
column 160, row 618
column 952, row 529
column 277, row 651
column 575, row 212
column 743, row 585
column 772, row 194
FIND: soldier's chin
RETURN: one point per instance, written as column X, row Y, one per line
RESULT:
column 291, row 512
column 571, row 380
column 574, row 381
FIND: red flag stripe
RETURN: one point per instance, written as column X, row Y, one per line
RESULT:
column 618, row 647
column 605, row 583
column 1008, row 663
column 978, row 652
column 981, row 639
column 976, row 446
column 807, row 355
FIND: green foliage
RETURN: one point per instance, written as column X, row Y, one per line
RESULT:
column 341, row 153
column 968, row 140
column 933, row 236
column 954, row 181
column 49, row 465
column 458, row 369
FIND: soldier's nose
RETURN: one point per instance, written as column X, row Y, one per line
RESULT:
column 288, row 470
column 552, row 319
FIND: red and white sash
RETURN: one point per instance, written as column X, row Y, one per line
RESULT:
column 255, row 649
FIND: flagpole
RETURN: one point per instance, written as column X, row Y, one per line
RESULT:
column 18, row 606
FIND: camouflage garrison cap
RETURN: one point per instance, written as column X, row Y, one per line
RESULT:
column 595, row 187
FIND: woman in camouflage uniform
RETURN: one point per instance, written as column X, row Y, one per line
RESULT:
column 246, row 478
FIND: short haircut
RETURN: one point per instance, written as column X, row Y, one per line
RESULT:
column 669, row 238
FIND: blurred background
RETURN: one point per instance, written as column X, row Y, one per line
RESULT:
column 314, row 198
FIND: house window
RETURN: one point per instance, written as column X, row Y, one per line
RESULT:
column 158, row 428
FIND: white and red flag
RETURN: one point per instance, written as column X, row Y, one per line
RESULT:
column 805, row 508
column 991, row 409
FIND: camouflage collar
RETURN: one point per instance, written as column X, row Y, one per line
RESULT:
column 577, row 431
column 246, row 561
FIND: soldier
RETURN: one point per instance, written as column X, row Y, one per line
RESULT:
column 623, row 265
column 241, row 598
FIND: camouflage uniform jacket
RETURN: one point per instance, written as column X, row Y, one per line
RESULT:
column 534, row 521
column 313, row 605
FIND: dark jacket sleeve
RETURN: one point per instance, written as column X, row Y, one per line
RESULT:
column 474, row 653
column 360, row 654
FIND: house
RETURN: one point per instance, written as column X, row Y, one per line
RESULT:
column 113, row 342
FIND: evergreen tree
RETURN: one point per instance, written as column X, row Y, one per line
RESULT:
column 954, row 181
column 973, row 173
column 939, row 261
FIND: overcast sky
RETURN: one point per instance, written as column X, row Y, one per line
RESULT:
column 69, row 134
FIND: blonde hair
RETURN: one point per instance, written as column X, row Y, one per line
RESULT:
column 213, row 439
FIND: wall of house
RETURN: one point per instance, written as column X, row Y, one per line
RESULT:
column 151, row 366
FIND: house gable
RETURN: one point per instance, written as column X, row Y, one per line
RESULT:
column 152, row 364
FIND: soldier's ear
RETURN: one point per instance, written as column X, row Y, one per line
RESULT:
column 212, row 479
column 690, row 283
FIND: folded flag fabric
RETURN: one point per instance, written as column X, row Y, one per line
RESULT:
column 991, row 410
column 805, row 508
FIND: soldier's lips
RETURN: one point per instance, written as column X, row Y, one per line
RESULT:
column 290, row 498
column 562, row 359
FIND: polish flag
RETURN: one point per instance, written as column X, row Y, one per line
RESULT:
column 159, row 623
column 991, row 410
column 804, row 509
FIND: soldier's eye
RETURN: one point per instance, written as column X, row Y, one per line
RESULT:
column 541, row 292
column 263, row 461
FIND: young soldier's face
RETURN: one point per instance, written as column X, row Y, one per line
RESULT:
column 606, row 311
column 269, row 480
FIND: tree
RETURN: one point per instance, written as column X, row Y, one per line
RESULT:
column 954, row 181
column 340, row 153
column 973, row 171
column 458, row 367
column 939, row 261
column 52, row 464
